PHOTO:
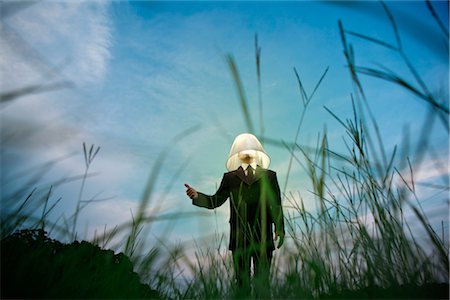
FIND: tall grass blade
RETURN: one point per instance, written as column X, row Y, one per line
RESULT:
column 258, row 76
column 371, row 39
column 318, row 83
column 394, row 78
column 438, row 20
column 302, row 89
column 32, row 90
column 240, row 89
column 443, row 253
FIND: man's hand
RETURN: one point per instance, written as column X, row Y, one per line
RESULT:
column 280, row 237
column 191, row 192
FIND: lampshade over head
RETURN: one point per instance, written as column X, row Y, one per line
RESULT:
column 247, row 142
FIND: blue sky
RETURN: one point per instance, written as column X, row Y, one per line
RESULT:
column 143, row 72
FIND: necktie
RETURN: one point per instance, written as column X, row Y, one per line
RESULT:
column 250, row 173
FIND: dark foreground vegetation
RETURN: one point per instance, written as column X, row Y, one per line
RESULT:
column 426, row 291
column 35, row 266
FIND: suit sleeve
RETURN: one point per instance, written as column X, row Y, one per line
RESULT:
column 277, row 209
column 215, row 200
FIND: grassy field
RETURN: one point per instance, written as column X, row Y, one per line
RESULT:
column 358, row 244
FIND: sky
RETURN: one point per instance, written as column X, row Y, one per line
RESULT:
column 146, row 80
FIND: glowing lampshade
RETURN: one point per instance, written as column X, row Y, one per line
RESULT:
column 247, row 142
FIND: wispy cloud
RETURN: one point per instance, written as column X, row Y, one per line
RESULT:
column 432, row 170
column 71, row 39
column 43, row 43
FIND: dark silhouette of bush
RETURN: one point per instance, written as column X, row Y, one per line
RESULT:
column 35, row 266
column 407, row 291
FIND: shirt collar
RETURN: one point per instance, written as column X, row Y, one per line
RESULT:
column 244, row 165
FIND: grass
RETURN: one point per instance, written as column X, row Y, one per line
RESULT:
column 359, row 242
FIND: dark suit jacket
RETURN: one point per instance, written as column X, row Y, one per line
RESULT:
column 255, row 208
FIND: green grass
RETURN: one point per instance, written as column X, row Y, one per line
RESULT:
column 358, row 243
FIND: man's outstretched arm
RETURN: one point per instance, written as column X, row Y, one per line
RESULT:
column 202, row 200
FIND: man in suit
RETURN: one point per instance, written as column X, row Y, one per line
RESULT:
column 255, row 211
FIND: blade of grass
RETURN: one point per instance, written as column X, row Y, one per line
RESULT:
column 240, row 89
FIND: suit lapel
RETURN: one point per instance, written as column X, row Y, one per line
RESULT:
column 241, row 174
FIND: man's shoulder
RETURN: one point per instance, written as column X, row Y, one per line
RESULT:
column 271, row 173
column 226, row 174
column 268, row 172
column 233, row 172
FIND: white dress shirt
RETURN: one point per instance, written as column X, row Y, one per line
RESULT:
column 245, row 166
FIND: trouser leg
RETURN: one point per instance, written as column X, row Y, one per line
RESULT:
column 261, row 279
column 241, row 264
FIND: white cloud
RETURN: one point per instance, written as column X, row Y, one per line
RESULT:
column 432, row 169
column 51, row 42
column 35, row 44
column 74, row 37
column 34, row 41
